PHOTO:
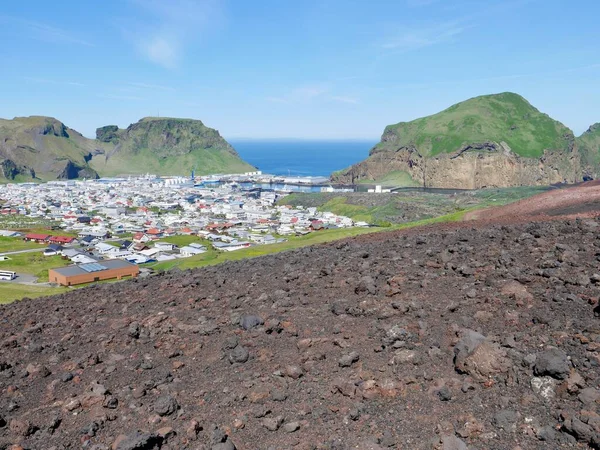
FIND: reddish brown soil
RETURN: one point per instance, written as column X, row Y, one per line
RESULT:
column 582, row 200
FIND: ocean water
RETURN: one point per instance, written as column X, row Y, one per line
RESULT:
column 302, row 157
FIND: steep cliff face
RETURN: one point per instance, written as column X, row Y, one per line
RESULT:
column 491, row 141
column 484, row 165
column 43, row 148
column 166, row 146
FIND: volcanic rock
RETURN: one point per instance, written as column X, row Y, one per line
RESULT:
column 417, row 370
column 553, row 362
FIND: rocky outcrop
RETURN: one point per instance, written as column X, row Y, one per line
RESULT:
column 52, row 127
column 10, row 170
column 109, row 133
column 474, row 166
column 72, row 171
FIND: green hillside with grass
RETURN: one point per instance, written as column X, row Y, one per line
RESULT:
column 589, row 147
column 166, row 146
column 505, row 117
column 41, row 148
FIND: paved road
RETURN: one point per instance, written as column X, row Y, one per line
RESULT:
column 31, row 250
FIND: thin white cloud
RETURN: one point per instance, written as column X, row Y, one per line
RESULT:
column 344, row 99
column 156, row 87
column 168, row 27
column 310, row 93
column 163, row 50
column 120, row 97
column 414, row 38
column 277, row 100
column 44, row 32
column 301, row 94
column 48, row 81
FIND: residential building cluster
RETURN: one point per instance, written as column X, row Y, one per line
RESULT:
column 133, row 219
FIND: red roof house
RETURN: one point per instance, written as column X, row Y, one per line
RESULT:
column 37, row 237
column 61, row 239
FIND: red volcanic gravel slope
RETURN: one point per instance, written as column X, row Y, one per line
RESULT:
column 435, row 339
column 582, row 200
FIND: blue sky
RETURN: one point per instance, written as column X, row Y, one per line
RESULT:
column 312, row 69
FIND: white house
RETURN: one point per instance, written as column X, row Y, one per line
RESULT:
column 9, row 233
column 114, row 211
column 165, row 257
column 151, row 252
column 164, row 246
column 231, row 246
column 83, row 259
column 118, row 253
column 192, row 249
column 263, row 238
column 70, row 252
column 104, row 248
column 136, row 258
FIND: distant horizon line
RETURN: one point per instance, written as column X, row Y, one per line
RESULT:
column 245, row 138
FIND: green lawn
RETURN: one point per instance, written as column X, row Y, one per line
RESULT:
column 396, row 178
column 49, row 230
column 10, row 292
column 34, row 264
column 8, row 244
column 341, row 207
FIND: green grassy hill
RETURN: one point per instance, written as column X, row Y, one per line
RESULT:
column 498, row 140
column 43, row 148
column 505, row 117
column 166, row 146
column 589, row 147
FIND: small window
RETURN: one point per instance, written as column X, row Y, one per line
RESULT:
column 97, row 279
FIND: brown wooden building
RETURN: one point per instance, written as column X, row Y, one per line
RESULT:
column 90, row 272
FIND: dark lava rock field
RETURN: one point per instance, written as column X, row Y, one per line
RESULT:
column 450, row 338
